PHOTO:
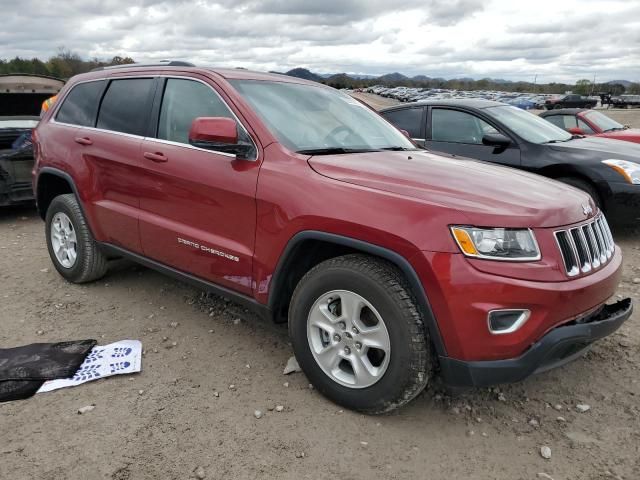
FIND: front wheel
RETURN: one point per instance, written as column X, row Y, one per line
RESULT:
column 73, row 251
column 358, row 334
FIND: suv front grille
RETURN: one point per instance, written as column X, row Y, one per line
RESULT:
column 586, row 247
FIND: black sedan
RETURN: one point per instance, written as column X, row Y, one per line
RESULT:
column 609, row 170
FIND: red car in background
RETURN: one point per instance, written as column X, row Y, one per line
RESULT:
column 581, row 121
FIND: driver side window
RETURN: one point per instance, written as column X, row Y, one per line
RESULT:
column 184, row 101
column 454, row 126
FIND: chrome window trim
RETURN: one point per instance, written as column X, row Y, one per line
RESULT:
column 191, row 147
column 154, row 139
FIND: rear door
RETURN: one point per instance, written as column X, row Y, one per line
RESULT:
column 198, row 207
column 111, row 151
column 459, row 132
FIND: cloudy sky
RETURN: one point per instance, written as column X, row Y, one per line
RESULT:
column 557, row 40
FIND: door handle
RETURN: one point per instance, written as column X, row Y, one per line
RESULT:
column 155, row 157
column 84, row 140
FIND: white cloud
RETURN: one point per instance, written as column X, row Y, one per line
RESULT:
column 558, row 41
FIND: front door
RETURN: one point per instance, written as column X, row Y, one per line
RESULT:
column 459, row 132
column 197, row 207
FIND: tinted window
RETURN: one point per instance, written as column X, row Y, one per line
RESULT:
column 81, row 104
column 458, row 127
column 184, row 101
column 125, row 106
column 408, row 119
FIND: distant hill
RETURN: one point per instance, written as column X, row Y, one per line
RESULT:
column 304, row 74
column 393, row 77
column 626, row 83
column 347, row 80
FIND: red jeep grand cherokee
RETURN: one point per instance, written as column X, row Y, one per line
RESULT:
column 389, row 263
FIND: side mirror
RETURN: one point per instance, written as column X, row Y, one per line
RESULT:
column 497, row 140
column 206, row 132
column 220, row 134
column 576, row 131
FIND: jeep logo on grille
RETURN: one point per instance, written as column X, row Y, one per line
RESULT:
column 587, row 210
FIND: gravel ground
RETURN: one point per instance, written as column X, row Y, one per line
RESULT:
column 181, row 418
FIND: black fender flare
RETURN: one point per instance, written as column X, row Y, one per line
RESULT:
column 398, row 260
column 58, row 173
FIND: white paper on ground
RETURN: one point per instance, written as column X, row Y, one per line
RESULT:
column 116, row 358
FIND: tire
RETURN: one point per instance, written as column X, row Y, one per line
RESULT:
column 89, row 263
column 584, row 186
column 407, row 366
column 557, row 107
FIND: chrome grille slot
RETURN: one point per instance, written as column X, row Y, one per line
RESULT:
column 586, row 247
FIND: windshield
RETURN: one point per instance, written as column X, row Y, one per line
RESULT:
column 313, row 119
column 528, row 126
column 603, row 122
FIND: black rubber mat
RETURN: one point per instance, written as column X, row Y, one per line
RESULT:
column 23, row 370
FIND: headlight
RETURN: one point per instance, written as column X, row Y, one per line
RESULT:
column 509, row 244
column 629, row 170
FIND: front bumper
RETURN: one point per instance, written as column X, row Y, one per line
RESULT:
column 561, row 345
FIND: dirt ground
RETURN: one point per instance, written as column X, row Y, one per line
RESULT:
column 629, row 116
column 179, row 416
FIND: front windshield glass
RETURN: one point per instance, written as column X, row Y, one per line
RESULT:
column 603, row 122
column 528, row 126
column 308, row 118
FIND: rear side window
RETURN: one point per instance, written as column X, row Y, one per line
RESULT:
column 125, row 106
column 557, row 120
column 81, row 104
column 409, row 119
column 184, row 101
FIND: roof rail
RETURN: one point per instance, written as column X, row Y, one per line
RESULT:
column 161, row 63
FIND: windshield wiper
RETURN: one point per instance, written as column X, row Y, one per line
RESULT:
column 614, row 129
column 573, row 137
column 399, row 149
column 335, row 150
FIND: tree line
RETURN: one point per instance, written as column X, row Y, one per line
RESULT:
column 64, row 65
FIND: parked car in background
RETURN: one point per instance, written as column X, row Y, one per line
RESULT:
column 389, row 263
column 21, row 97
column 570, row 101
column 625, row 101
column 608, row 170
column 579, row 121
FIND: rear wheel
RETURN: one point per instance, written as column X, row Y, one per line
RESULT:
column 73, row 251
column 358, row 334
column 584, row 186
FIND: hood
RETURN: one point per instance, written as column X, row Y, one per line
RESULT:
column 488, row 195
column 602, row 147
column 630, row 135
